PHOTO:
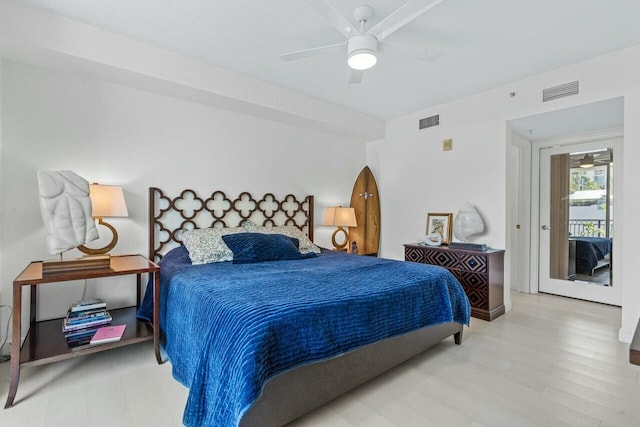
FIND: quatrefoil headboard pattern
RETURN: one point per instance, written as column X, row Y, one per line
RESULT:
column 170, row 216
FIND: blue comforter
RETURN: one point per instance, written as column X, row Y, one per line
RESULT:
column 229, row 327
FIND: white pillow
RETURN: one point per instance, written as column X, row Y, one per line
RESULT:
column 205, row 245
column 305, row 244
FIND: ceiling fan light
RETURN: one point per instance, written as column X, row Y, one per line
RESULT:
column 362, row 59
column 362, row 51
column 586, row 161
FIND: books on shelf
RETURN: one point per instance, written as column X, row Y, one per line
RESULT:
column 80, row 338
column 107, row 334
column 83, row 319
column 85, row 334
column 82, row 316
column 103, row 335
column 103, row 320
column 89, row 304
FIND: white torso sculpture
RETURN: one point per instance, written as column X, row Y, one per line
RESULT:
column 66, row 210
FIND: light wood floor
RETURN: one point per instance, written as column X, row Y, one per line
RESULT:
column 550, row 361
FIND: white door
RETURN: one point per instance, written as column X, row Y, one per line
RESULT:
column 576, row 226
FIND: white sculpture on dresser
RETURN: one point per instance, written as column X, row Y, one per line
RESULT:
column 433, row 239
column 467, row 223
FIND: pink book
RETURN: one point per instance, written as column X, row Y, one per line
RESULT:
column 108, row 334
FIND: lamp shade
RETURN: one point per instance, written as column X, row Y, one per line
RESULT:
column 340, row 217
column 107, row 201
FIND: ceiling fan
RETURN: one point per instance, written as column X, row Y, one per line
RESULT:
column 363, row 45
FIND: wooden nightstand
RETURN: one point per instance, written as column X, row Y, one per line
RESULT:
column 375, row 254
column 45, row 342
column 481, row 274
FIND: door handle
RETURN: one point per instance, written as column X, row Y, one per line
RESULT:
column 546, row 227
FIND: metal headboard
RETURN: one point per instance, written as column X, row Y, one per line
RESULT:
column 170, row 216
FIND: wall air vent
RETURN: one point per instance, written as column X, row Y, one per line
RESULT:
column 560, row 91
column 429, row 122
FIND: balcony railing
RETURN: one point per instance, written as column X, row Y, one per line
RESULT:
column 591, row 227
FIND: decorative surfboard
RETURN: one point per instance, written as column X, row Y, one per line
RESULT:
column 365, row 199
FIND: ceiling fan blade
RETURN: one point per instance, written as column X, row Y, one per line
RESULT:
column 401, row 17
column 306, row 53
column 333, row 17
column 355, row 76
column 401, row 49
column 420, row 53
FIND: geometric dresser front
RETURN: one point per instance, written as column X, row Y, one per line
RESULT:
column 481, row 274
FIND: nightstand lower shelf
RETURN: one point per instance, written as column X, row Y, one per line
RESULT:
column 45, row 342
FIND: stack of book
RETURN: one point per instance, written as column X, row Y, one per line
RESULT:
column 83, row 319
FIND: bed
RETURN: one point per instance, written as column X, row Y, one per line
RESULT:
column 591, row 253
column 263, row 343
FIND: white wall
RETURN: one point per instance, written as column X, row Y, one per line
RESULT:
column 518, row 211
column 114, row 134
column 5, row 298
column 417, row 177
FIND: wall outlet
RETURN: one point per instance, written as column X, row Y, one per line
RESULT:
column 447, row 144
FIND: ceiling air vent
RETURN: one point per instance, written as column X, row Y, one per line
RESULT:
column 560, row 91
column 429, row 122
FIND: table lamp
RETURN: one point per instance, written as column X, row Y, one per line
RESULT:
column 106, row 201
column 340, row 217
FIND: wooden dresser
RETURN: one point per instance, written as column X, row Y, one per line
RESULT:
column 481, row 274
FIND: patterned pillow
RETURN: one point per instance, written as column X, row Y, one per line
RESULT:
column 306, row 246
column 258, row 247
column 205, row 245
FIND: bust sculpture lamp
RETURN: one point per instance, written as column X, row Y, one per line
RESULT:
column 340, row 217
column 467, row 223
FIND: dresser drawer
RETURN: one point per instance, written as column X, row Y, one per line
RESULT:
column 441, row 258
column 459, row 261
column 475, row 286
column 414, row 255
column 471, row 279
column 475, row 263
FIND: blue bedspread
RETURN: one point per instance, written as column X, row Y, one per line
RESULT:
column 230, row 327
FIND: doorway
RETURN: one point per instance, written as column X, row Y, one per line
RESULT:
column 576, row 214
column 598, row 122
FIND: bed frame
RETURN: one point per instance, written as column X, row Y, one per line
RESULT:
column 293, row 393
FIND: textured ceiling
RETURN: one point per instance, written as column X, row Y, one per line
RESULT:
column 477, row 45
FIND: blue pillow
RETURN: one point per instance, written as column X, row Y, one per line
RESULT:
column 258, row 247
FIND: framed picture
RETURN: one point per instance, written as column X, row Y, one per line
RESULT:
column 440, row 223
